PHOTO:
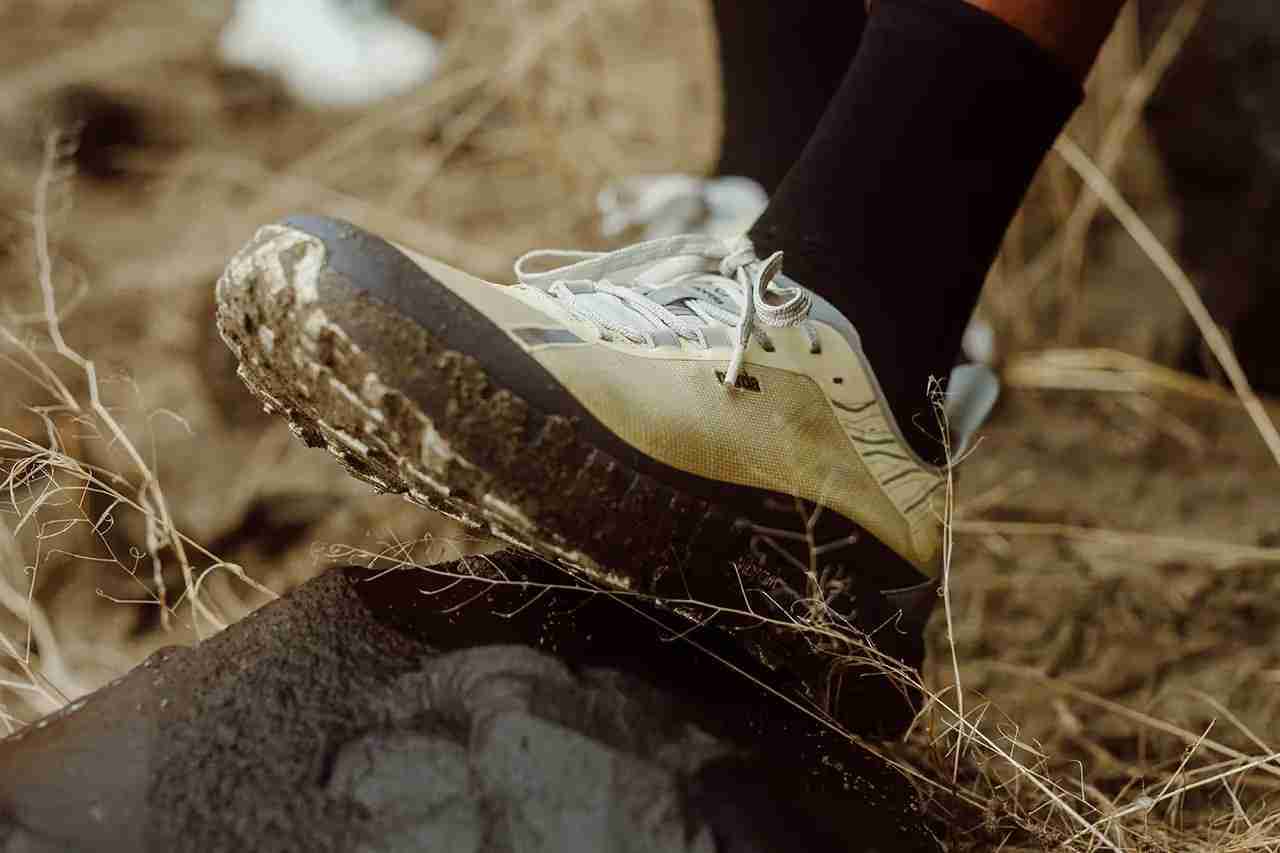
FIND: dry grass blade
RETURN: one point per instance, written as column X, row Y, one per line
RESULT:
column 1149, row 803
column 938, row 400
column 1220, row 555
column 51, row 493
column 1107, row 371
column 1182, row 285
column 150, row 491
column 1144, row 720
column 1113, row 147
column 1067, row 246
column 37, row 683
column 502, row 86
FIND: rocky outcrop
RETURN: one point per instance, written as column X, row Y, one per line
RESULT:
column 367, row 712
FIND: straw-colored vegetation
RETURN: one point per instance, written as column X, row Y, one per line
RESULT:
column 1106, row 673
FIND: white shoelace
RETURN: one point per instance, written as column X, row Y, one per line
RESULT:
column 679, row 284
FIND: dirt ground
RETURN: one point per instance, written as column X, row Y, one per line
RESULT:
column 1115, row 596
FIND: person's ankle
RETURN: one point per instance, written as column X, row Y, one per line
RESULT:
column 903, row 357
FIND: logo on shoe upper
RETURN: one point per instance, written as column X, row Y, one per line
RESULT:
column 744, row 382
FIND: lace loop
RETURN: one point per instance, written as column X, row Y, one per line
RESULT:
column 683, row 284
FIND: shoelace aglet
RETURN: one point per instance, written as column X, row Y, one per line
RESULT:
column 731, row 373
column 754, row 283
column 744, row 334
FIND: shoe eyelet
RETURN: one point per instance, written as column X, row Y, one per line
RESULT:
column 839, row 380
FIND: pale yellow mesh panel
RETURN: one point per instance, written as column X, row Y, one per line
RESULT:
column 784, row 438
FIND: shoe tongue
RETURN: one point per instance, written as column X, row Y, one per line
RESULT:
column 714, row 295
column 676, row 298
column 698, row 285
column 673, row 297
column 614, row 310
column 680, row 309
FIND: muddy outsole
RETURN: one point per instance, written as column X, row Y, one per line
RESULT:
column 479, row 453
column 485, row 473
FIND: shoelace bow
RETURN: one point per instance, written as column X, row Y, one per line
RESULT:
column 692, row 271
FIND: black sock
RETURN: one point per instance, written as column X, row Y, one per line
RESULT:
column 780, row 65
column 897, row 206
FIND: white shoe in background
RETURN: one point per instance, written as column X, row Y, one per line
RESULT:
column 666, row 205
column 329, row 53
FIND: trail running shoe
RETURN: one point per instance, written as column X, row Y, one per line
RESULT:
column 676, row 417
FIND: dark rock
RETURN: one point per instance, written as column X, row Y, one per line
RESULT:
column 357, row 714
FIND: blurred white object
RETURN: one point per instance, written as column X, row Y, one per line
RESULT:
column 971, row 395
column 979, row 341
column 666, row 205
column 329, row 53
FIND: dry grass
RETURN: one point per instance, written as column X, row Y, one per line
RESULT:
column 1105, row 674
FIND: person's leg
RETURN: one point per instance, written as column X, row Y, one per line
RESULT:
column 898, row 205
column 780, row 66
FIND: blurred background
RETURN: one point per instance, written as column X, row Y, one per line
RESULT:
column 1115, row 590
